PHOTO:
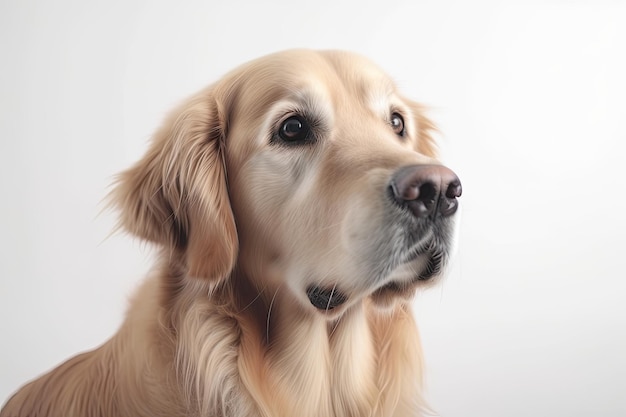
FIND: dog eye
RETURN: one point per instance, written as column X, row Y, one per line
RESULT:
column 397, row 124
column 294, row 129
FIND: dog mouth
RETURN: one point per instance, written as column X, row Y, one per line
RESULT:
column 432, row 267
column 325, row 299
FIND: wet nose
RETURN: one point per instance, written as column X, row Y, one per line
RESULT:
column 427, row 190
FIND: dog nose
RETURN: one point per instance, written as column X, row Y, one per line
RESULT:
column 427, row 190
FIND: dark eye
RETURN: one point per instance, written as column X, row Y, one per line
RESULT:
column 397, row 124
column 294, row 129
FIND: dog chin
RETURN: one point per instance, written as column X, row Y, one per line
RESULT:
column 421, row 271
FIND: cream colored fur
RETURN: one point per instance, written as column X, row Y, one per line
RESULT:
column 222, row 327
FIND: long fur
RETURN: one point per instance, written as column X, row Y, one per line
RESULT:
column 201, row 337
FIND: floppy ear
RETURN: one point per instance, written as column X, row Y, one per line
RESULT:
column 177, row 194
column 425, row 128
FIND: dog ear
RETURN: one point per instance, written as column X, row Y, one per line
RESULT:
column 177, row 194
column 425, row 128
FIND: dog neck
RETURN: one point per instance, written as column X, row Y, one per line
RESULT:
column 323, row 364
column 345, row 366
column 289, row 361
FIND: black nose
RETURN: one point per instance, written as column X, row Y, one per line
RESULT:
column 427, row 190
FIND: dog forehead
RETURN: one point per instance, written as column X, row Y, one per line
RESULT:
column 355, row 77
column 356, row 70
column 334, row 74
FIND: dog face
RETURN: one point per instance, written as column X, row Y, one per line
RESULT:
column 311, row 173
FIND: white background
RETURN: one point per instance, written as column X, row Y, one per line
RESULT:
column 531, row 101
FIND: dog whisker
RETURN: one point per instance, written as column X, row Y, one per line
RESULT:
column 269, row 313
column 259, row 293
column 332, row 292
column 335, row 326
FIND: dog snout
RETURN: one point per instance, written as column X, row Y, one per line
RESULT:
column 428, row 191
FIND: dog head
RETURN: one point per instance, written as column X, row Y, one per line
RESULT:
column 310, row 172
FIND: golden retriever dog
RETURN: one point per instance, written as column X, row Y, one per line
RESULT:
column 298, row 205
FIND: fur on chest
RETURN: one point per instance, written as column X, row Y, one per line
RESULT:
column 366, row 364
